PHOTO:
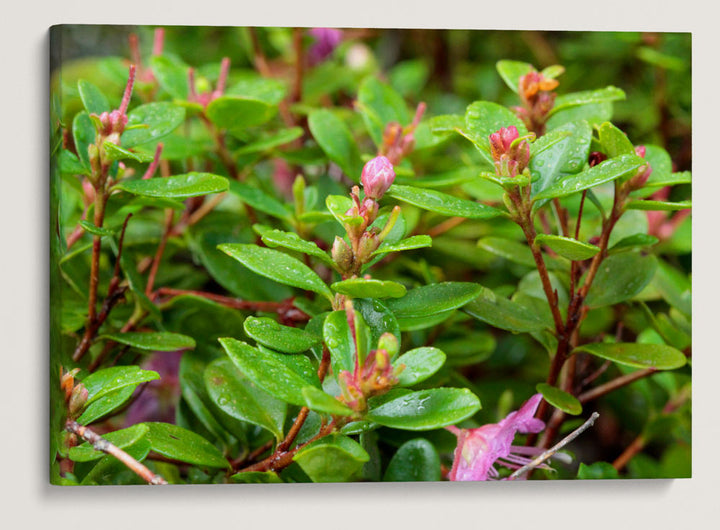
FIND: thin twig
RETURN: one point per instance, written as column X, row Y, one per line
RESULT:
column 555, row 448
column 614, row 384
column 100, row 444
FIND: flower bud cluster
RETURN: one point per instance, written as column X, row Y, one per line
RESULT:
column 535, row 91
column 399, row 141
column 205, row 96
column 510, row 152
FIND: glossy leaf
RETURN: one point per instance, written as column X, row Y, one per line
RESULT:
column 334, row 458
column 512, row 71
column 560, row 399
column 634, row 241
column 483, row 118
column 415, row 460
column 597, row 470
column 115, row 152
column 83, row 135
column 319, row 401
column 102, row 382
column 369, row 288
column 574, row 99
column 106, row 404
column 432, row 299
column 502, row 313
column 420, row 364
column 153, row 341
column 658, row 356
column 121, row 439
column 568, row 247
column 270, row 333
column 292, row 241
column 607, row 171
column 410, row 243
column 236, row 113
column 95, row 230
column 659, row 206
column 377, row 317
column 239, row 398
column 267, row 143
column 256, row 477
column 161, row 119
column 380, row 104
column 621, row 277
column 176, row 187
column 277, row 266
column 171, row 75
column 181, row 444
column 425, row 409
column 267, row 370
column 259, row 200
column 336, row 141
column 93, row 99
column 340, row 341
column 614, row 142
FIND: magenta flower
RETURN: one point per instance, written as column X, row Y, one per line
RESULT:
column 478, row 450
column 377, row 176
column 326, row 40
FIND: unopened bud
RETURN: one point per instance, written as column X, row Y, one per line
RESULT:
column 342, row 254
column 369, row 242
column 389, row 343
column 377, row 176
column 500, row 141
column 77, row 400
column 369, row 210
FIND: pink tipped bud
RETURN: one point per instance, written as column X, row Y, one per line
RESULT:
column 501, row 141
column 377, row 176
column 77, row 400
column 640, row 151
column 342, row 254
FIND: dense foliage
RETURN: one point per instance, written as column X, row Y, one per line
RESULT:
column 291, row 255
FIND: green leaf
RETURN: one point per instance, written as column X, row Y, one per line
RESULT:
column 369, row 288
column 634, row 241
column 267, row 370
column 469, row 348
column 597, row 470
column 568, row 247
column 336, row 140
column 574, row 99
column 416, row 460
column 84, row 134
column 483, row 118
column 270, row 333
column 236, row 113
column 502, row 313
column 239, row 398
column 508, row 249
column 658, row 356
column 171, row 75
column 153, row 341
column 183, row 186
column 256, row 477
column 161, row 119
column 340, row 341
column 560, row 399
column 106, row 404
column 266, row 143
column 334, row 458
column 277, row 266
column 432, row 299
column 621, row 277
column 559, row 154
column 93, row 99
column 108, row 380
column 593, row 113
column 337, row 205
column 271, row 91
column 319, row 401
column 512, row 71
column 420, row 364
column 614, row 142
column 607, row 171
column 409, row 243
column 121, row 439
column 292, row 241
column 377, row 317
column 379, row 105
column 181, row 444
column 423, row 410
column 442, row 203
column 95, row 230
column 259, row 200
column 115, row 152
column 659, row 206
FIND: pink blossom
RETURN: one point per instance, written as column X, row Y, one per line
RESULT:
column 326, row 40
column 377, row 176
column 479, row 449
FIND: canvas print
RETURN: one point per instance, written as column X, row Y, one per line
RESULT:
column 284, row 255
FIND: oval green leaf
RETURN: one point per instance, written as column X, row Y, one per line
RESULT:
column 155, row 341
column 176, row 187
column 512, row 71
column 442, row 203
column 560, row 399
column 108, row 380
column 336, row 140
column 429, row 300
column 161, row 119
column 369, row 288
column 568, row 247
column 416, row 460
column 425, row 409
column 93, row 99
column 292, row 241
column 410, row 243
column 502, row 313
column 181, row 444
column 621, row 277
column 120, row 439
column 340, row 341
column 420, row 364
column 236, row 113
column 277, row 266
column 600, row 95
column 259, row 200
column 334, row 458
column 658, row 356
column 106, row 404
column 270, row 333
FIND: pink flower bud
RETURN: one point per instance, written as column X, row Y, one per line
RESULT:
column 501, row 141
column 377, row 176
